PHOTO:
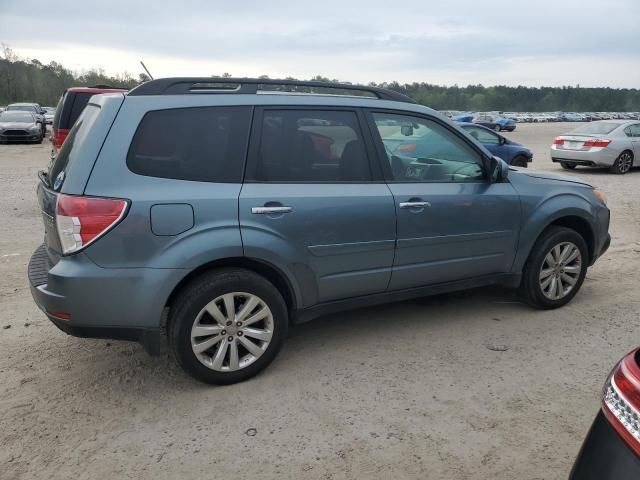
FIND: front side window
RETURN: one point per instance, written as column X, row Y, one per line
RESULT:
column 311, row 146
column 421, row 150
column 204, row 144
column 483, row 135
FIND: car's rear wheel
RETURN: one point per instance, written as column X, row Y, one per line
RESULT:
column 556, row 268
column 227, row 325
column 568, row 166
column 623, row 163
column 519, row 161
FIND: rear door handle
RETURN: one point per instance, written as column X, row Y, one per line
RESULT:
column 414, row 204
column 270, row 210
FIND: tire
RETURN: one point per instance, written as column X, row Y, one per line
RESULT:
column 188, row 311
column 623, row 164
column 519, row 161
column 497, row 128
column 568, row 166
column 533, row 288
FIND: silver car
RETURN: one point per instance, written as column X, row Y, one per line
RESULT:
column 607, row 143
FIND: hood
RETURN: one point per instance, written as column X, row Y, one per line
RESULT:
column 17, row 124
column 551, row 176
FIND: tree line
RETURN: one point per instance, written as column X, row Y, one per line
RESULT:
column 29, row 80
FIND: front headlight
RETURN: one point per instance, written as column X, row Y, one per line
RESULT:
column 35, row 128
column 602, row 198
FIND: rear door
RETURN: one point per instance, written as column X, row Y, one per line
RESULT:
column 314, row 204
column 452, row 222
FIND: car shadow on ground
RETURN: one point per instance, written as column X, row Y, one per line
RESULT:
column 308, row 342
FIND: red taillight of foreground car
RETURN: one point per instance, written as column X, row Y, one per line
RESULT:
column 558, row 141
column 597, row 143
column 59, row 137
column 621, row 401
column 82, row 220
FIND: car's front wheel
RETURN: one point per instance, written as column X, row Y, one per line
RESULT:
column 556, row 268
column 227, row 325
column 497, row 128
column 623, row 163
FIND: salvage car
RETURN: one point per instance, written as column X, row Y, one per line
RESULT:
column 221, row 211
column 511, row 152
column 19, row 126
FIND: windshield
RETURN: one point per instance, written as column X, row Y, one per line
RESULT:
column 597, row 128
column 24, row 108
column 16, row 116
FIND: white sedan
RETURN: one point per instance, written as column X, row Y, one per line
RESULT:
column 608, row 143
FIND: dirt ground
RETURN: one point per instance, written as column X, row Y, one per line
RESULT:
column 409, row 390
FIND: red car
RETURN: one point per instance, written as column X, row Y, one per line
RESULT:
column 612, row 448
column 70, row 107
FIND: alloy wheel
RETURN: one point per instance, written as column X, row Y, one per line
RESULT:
column 625, row 161
column 232, row 331
column 560, row 270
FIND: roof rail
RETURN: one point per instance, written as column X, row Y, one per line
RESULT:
column 188, row 85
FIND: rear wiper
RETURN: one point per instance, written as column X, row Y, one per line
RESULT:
column 44, row 178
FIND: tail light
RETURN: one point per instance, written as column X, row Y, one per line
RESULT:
column 59, row 136
column 621, row 401
column 558, row 141
column 597, row 143
column 82, row 220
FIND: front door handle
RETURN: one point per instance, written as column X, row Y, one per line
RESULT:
column 270, row 210
column 414, row 204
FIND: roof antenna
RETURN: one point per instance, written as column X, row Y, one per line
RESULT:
column 146, row 70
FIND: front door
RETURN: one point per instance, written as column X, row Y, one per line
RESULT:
column 311, row 203
column 452, row 222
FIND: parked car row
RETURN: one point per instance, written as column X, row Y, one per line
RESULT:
column 542, row 117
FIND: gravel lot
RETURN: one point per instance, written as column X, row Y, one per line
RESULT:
column 409, row 390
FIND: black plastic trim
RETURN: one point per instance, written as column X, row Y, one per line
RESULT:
column 511, row 280
column 149, row 338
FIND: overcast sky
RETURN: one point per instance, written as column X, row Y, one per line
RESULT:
column 509, row 42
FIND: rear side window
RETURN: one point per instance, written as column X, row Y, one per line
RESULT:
column 80, row 101
column 311, row 146
column 56, row 119
column 204, row 144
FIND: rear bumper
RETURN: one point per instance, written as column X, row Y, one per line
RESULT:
column 603, row 157
column 605, row 456
column 85, row 300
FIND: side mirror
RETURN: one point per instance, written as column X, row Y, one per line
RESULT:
column 499, row 170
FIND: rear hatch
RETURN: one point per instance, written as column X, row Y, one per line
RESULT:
column 69, row 172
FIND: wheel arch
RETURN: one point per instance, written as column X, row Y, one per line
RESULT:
column 276, row 276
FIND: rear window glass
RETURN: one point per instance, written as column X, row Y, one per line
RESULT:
column 597, row 128
column 206, row 144
column 77, row 135
column 80, row 101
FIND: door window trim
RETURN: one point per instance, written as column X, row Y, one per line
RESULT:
column 382, row 155
column 251, row 164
